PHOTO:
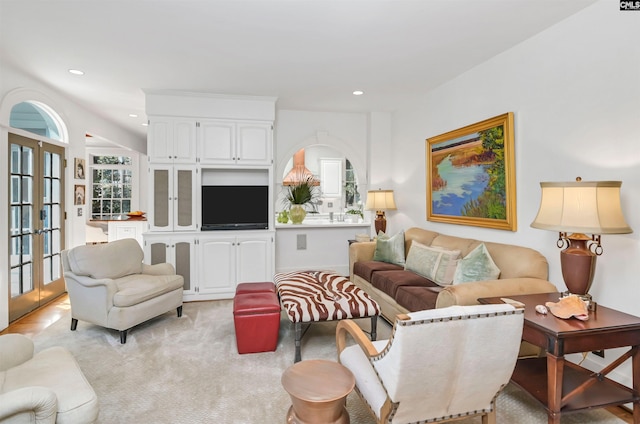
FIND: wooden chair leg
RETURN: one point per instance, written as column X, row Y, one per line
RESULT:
column 179, row 311
column 123, row 336
column 374, row 328
column 74, row 324
column 489, row 418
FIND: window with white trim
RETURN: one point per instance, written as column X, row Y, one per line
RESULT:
column 112, row 183
column 38, row 118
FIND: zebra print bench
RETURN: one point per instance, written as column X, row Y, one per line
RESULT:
column 314, row 296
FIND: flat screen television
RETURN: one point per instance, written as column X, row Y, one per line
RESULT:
column 235, row 207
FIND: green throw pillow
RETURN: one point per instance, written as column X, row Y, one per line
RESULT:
column 435, row 263
column 476, row 266
column 390, row 249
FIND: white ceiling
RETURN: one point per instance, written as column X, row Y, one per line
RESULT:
column 310, row 54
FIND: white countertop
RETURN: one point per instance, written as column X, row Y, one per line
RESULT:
column 321, row 223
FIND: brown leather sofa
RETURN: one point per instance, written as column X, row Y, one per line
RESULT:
column 398, row 291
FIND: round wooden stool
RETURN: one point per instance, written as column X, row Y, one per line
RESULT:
column 318, row 391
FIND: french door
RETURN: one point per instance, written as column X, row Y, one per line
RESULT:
column 36, row 223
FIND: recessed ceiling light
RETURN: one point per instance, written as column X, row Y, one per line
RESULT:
column 76, row 72
column 133, row 115
column 358, row 93
column 144, row 124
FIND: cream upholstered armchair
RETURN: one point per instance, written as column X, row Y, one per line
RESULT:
column 108, row 285
column 42, row 388
column 439, row 365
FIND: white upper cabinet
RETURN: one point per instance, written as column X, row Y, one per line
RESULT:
column 173, row 198
column 331, row 177
column 172, row 140
column 254, row 143
column 235, row 143
column 216, row 142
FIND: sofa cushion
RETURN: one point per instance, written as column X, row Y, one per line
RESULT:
column 96, row 261
column 390, row 249
column 390, row 281
column 464, row 245
column 434, row 263
column 420, row 235
column 416, row 298
column 134, row 289
column 56, row 369
column 365, row 269
column 476, row 266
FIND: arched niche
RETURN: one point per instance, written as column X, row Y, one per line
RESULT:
column 335, row 170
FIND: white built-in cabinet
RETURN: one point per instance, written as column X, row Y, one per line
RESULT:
column 226, row 260
column 212, row 265
column 174, row 140
column 190, row 133
column 130, row 228
column 179, row 250
column 174, row 193
column 223, row 142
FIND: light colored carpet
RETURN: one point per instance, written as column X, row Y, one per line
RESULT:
column 187, row 370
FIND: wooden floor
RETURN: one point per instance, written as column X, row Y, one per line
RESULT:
column 36, row 321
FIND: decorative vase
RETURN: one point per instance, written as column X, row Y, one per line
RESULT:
column 297, row 214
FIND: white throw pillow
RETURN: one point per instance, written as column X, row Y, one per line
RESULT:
column 435, row 263
column 476, row 266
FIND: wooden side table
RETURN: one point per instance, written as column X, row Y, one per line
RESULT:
column 562, row 386
column 318, row 391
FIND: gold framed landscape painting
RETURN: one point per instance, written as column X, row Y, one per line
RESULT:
column 471, row 175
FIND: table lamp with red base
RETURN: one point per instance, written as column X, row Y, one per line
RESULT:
column 576, row 209
column 379, row 201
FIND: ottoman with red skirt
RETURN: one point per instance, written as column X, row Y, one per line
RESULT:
column 256, row 316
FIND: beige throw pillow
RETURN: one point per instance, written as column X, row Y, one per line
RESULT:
column 436, row 264
column 476, row 266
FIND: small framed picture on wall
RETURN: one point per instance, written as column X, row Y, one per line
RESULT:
column 78, row 194
column 79, row 167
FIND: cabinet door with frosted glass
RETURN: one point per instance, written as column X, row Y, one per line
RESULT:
column 173, row 198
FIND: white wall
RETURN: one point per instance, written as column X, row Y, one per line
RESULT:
column 575, row 94
column 346, row 132
column 326, row 248
column 16, row 88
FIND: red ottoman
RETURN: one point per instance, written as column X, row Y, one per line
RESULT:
column 255, row 288
column 256, row 316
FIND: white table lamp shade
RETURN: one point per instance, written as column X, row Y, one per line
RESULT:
column 581, row 207
column 379, row 200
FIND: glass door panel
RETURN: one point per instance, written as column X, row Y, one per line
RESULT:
column 51, row 222
column 36, row 223
column 23, row 289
